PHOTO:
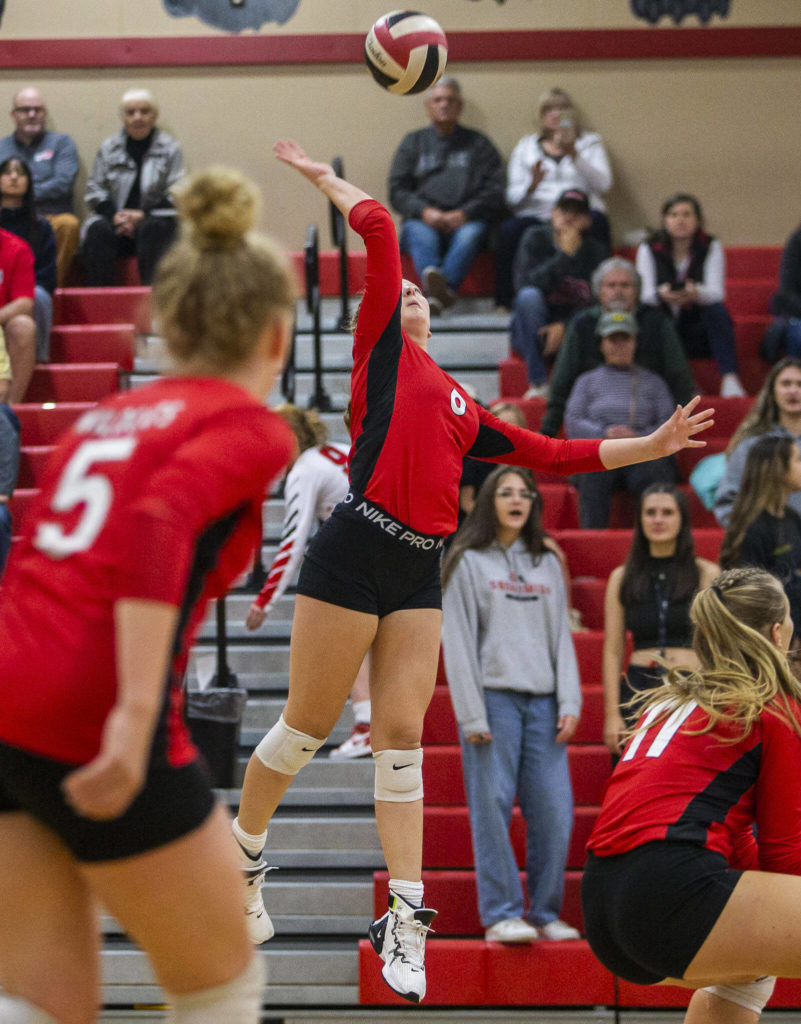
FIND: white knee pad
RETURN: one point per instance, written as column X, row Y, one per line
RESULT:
column 20, row 1011
column 235, row 1002
column 752, row 995
column 286, row 750
column 399, row 775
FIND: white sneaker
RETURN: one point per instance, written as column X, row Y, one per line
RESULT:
column 515, row 929
column 731, row 386
column 399, row 938
column 558, row 931
column 356, row 745
column 260, row 927
column 537, row 390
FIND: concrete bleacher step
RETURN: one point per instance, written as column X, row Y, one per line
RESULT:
column 322, row 783
column 320, row 972
column 327, row 839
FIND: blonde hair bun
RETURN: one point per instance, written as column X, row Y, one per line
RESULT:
column 219, row 205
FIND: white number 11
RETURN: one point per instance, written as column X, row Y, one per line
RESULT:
column 665, row 734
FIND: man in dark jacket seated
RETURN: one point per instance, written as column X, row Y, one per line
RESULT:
column 616, row 285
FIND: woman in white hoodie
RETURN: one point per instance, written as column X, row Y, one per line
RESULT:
column 514, row 683
column 560, row 155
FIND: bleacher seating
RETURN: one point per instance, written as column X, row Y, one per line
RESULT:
column 92, row 344
column 97, row 326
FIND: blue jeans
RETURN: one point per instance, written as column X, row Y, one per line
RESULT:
column 708, row 331
column 530, row 313
column 792, row 336
column 452, row 255
column 522, row 759
column 43, row 317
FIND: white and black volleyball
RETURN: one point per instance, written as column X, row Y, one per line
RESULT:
column 406, row 52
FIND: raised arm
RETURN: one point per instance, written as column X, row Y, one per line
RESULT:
column 341, row 193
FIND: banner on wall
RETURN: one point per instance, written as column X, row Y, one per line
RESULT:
column 234, row 15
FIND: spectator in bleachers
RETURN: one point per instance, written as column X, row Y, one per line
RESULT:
column 129, row 193
column 617, row 399
column 18, row 215
column 764, row 529
column 616, row 286
column 649, row 596
column 557, row 157
column 9, row 470
column 514, row 682
column 684, row 269
column 553, row 267
column 447, row 183
column 17, row 285
column 776, row 410
column 53, row 159
column 783, row 335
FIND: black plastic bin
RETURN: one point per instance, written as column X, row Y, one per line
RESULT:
column 214, row 717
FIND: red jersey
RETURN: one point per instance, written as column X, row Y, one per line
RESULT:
column 17, row 278
column 157, row 495
column 674, row 783
column 411, row 423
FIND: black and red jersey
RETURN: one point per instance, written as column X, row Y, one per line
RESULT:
column 157, row 495
column 411, row 423
column 675, row 783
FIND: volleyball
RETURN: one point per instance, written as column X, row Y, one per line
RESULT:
column 406, row 52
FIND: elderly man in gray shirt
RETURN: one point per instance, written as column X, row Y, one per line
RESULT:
column 617, row 399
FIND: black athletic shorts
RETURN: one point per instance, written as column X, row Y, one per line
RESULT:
column 174, row 802
column 647, row 912
column 364, row 559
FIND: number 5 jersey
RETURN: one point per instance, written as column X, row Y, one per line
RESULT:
column 153, row 495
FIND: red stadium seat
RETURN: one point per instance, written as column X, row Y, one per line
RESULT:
column 43, row 424
column 93, row 343
column 73, row 382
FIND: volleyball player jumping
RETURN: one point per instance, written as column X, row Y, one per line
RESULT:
column 371, row 577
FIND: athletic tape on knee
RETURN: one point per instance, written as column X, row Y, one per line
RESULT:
column 399, row 775
column 235, row 1002
column 286, row 750
column 752, row 995
column 20, row 1011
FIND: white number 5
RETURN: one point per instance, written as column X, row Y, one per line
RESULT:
column 78, row 486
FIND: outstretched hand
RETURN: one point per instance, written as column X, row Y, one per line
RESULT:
column 291, row 153
column 678, row 432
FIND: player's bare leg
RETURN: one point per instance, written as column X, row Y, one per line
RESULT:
column 327, row 647
column 403, row 673
column 48, row 926
column 182, row 904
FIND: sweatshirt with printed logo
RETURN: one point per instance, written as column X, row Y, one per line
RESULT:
column 505, row 627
